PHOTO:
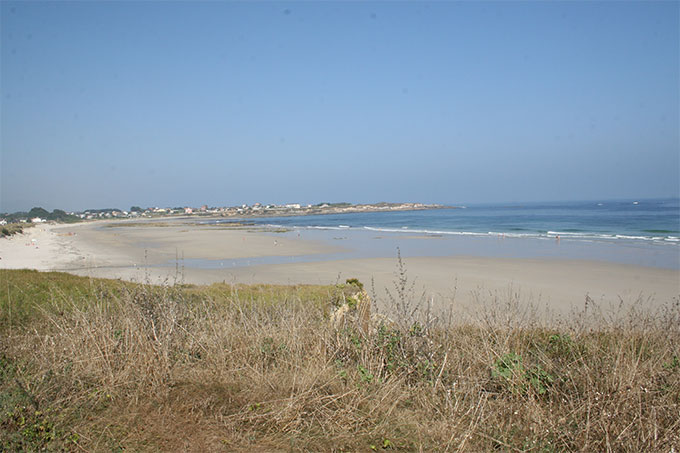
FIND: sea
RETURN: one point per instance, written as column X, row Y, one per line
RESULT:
column 641, row 232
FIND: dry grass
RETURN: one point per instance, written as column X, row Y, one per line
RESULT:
column 13, row 228
column 117, row 366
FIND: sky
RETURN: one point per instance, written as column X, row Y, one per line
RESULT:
column 114, row 104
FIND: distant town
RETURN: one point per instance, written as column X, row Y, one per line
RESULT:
column 40, row 215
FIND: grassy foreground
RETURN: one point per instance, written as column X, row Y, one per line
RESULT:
column 103, row 365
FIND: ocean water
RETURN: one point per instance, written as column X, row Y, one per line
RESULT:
column 639, row 232
column 645, row 220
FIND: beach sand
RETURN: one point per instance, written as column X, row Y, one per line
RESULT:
column 118, row 244
column 39, row 247
column 158, row 253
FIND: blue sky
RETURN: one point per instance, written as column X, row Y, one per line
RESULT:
column 110, row 104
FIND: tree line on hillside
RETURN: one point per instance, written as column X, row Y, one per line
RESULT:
column 56, row 215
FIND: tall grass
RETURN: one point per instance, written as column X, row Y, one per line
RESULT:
column 235, row 368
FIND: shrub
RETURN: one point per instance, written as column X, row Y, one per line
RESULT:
column 99, row 365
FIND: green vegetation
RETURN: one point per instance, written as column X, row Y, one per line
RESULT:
column 106, row 365
column 13, row 228
column 511, row 372
column 57, row 215
column 341, row 204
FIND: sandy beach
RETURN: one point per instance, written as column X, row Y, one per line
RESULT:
column 166, row 252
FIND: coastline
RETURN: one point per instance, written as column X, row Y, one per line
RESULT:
column 175, row 253
column 353, row 209
column 266, row 211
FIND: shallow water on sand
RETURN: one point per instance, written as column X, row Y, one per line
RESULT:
column 370, row 244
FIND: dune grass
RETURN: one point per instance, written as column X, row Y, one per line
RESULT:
column 104, row 365
column 13, row 228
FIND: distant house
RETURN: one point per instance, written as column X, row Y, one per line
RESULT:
column 38, row 220
column 3, row 222
column 188, row 210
